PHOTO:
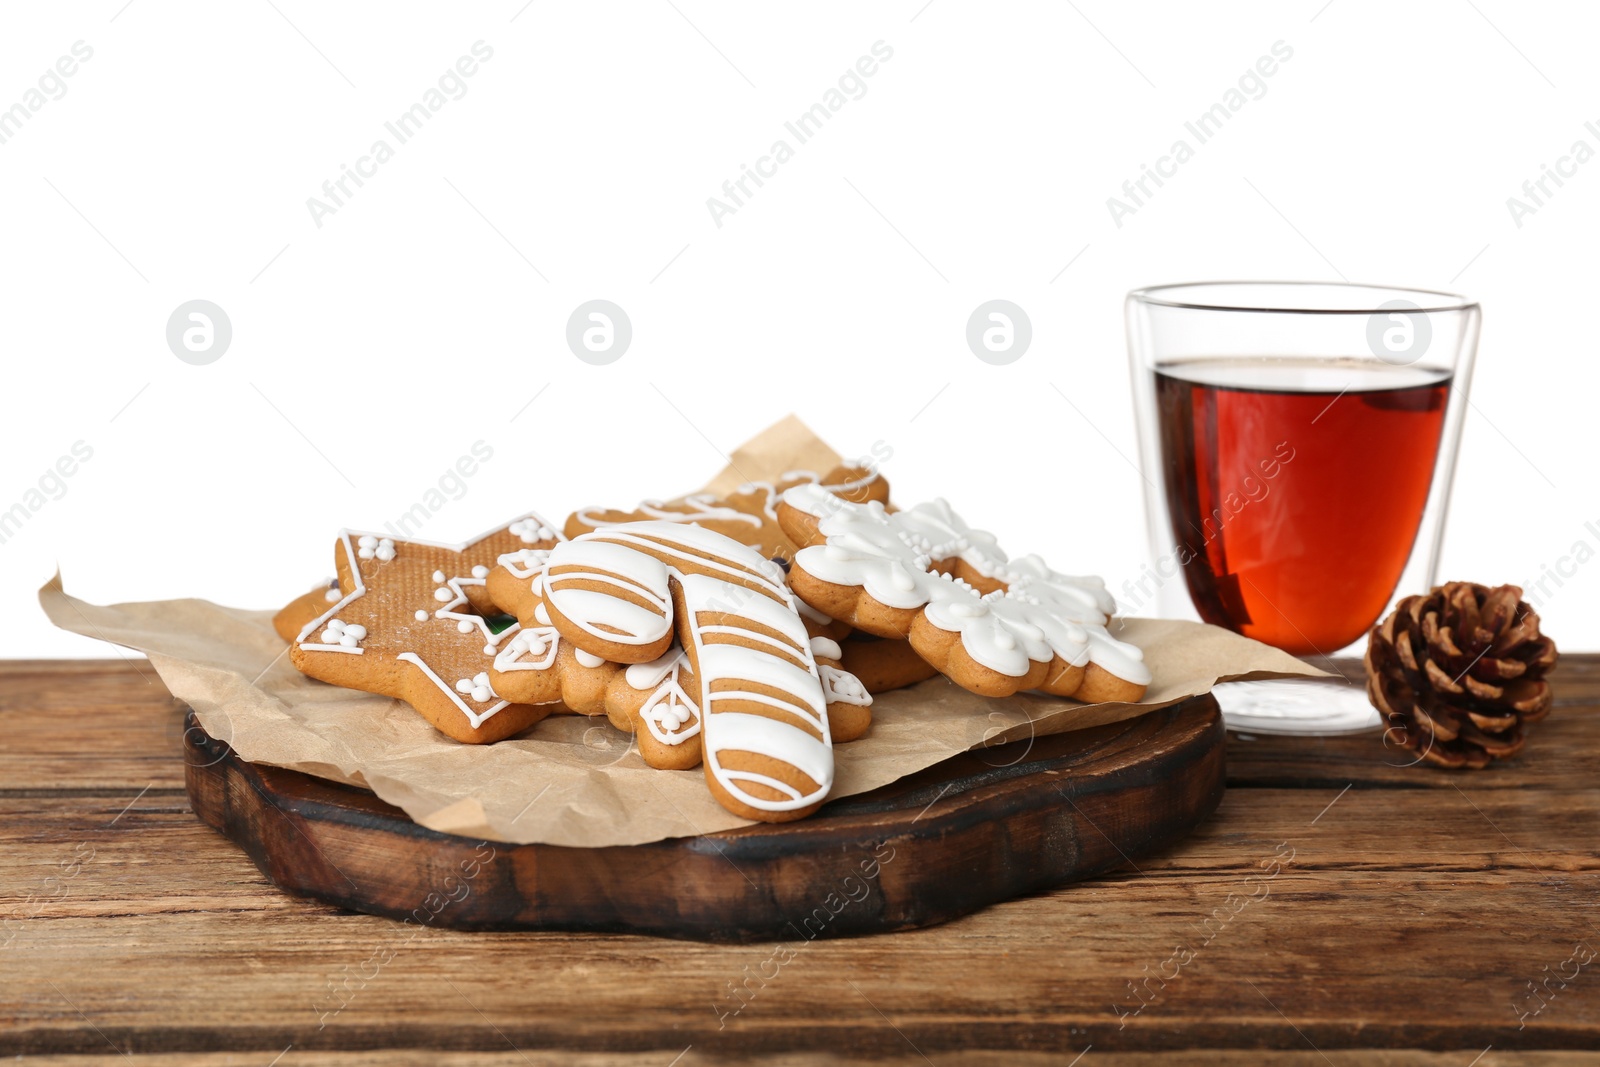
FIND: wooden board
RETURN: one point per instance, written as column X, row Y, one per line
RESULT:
column 1419, row 904
column 971, row 831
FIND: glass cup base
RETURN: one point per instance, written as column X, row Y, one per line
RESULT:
column 1306, row 707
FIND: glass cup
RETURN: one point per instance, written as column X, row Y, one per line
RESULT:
column 1298, row 441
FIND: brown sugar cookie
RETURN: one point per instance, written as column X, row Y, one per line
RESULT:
column 409, row 623
column 651, row 700
column 881, row 664
column 537, row 666
column 748, row 515
column 293, row 616
column 763, row 699
column 923, row 573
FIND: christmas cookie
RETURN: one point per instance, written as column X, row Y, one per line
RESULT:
column 293, row 616
column 922, row 574
column 411, row 622
column 747, row 515
column 625, row 592
column 537, row 666
column 650, row 700
column 848, row 698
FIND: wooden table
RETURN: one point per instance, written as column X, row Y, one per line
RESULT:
column 1335, row 904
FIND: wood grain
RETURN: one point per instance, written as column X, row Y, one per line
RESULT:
column 971, row 831
column 965, row 1058
column 1415, row 908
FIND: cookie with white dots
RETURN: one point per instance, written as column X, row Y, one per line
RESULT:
column 765, row 703
column 651, row 700
column 293, row 616
column 991, row 624
column 413, row 620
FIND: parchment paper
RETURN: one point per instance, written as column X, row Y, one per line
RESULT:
column 572, row 780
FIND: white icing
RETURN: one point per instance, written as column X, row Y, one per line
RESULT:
column 315, row 647
column 667, row 716
column 605, row 614
column 842, row 687
column 1083, row 597
column 456, row 606
column 741, row 634
column 476, row 718
column 608, row 617
column 768, row 737
column 480, row 571
column 371, row 545
column 826, row 648
column 649, row 675
column 772, row 495
column 524, row 562
column 705, row 507
column 669, row 712
column 350, row 545
column 338, row 633
column 530, row 650
column 1085, row 593
column 701, row 507
column 588, row 659
column 1042, row 613
column 809, row 612
column 742, row 586
column 776, row 615
column 332, row 594
column 532, row 529
column 438, row 576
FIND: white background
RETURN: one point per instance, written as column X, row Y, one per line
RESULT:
column 368, row 354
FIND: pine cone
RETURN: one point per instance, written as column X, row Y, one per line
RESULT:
column 1458, row 672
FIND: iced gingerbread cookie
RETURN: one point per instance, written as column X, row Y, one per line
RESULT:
column 626, row 592
column 538, row 666
column 747, row 515
column 410, row 622
column 650, row 700
column 293, row 616
column 993, row 625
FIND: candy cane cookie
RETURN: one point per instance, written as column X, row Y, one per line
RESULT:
column 625, row 591
column 409, row 622
column 649, row 700
column 922, row 574
column 749, row 515
column 538, row 666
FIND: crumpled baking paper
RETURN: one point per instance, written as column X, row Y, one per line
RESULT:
column 576, row 781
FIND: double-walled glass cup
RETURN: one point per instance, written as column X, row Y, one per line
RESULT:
column 1299, row 442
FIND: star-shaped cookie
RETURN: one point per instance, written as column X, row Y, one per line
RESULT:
column 411, row 622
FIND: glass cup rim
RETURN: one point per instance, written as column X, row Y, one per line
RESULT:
column 1436, row 300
